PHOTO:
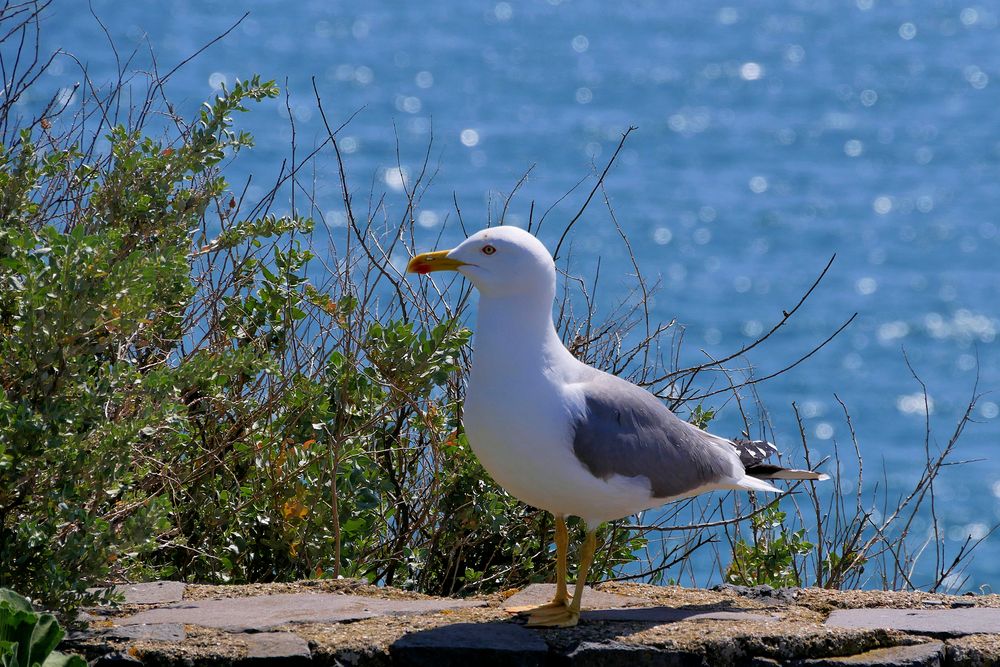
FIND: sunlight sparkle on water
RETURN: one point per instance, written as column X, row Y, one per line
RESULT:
column 914, row 404
column 751, row 71
column 469, row 137
column 503, row 11
column 424, row 79
column 395, row 178
column 965, row 362
column 408, row 103
column 853, row 361
column 364, row 75
column 892, row 331
column 428, row 219
column 728, row 15
column 964, row 326
column 866, row 286
column 975, row 530
column 976, row 77
column 349, row 145
column 812, row 408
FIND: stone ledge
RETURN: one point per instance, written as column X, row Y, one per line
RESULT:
column 348, row 623
column 929, row 654
column 270, row 611
column 930, row 622
column 477, row 644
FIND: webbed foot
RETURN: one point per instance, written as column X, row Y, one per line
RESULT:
column 553, row 616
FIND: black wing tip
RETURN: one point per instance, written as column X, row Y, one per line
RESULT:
column 753, row 451
column 766, row 471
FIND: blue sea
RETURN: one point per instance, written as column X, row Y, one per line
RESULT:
column 770, row 135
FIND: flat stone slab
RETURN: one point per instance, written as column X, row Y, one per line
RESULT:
column 154, row 592
column 463, row 644
column 159, row 632
column 673, row 615
column 933, row 622
column 930, row 654
column 617, row 654
column 277, row 648
column 537, row 594
column 267, row 611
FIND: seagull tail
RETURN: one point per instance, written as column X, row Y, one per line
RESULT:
column 765, row 471
column 748, row 483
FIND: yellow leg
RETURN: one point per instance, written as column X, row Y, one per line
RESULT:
column 561, row 598
column 562, row 546
column 568, row 616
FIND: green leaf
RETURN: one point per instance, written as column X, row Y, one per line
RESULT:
column 16, row 602
column 58, row 659
column 28, row 638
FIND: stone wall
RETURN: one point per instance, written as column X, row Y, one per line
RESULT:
column 348, row 623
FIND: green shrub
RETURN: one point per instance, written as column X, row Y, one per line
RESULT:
column 94, row 307
column 180, row 400
column 773, row 555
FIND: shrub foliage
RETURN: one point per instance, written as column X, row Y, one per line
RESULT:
column 179, row 400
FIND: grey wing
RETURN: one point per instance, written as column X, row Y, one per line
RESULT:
column 627, row 431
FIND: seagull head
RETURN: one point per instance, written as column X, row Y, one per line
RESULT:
column 500, row 261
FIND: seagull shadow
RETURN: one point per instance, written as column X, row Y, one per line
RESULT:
column 663, row 614
column 509, row 642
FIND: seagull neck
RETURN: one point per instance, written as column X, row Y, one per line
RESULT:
column 518, row 324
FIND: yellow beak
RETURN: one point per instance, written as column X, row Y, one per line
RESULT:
column 433, row 261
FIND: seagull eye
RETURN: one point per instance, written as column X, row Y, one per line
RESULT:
column 488, row 250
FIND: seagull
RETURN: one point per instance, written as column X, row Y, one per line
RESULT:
column 563, row 436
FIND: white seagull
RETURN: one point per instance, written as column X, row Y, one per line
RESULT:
column 563, row 436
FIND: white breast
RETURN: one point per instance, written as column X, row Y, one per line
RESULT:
column 520, row 408
column 521, row 430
